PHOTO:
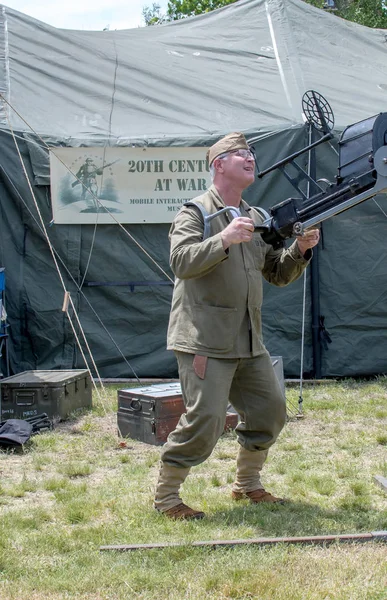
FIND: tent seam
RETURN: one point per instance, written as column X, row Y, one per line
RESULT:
column 281, row 70
column 7, row 80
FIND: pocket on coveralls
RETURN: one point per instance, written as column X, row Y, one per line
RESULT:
column 213, row 328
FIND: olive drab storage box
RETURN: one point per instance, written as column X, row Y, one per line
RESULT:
column 150, row 413
column 57, row 393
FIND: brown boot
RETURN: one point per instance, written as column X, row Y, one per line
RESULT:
column 258, row 496
column 248, row 482
column 249, row 466
column 183, row 512
column 167, row 499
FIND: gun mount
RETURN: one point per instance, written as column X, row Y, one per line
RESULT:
column 362, row 174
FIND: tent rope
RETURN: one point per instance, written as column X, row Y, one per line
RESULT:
column 50, row 247
column 103, row 163
column 66, row 311
column 106, row 210
column 71, row 276
column 44, row 231
column 379, row 207
column 84, row 339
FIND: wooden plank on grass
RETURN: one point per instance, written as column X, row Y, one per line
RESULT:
column 316, row 539
column 381, row 481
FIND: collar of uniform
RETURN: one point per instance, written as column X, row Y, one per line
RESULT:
column 219, row 202
column 216, row 197
column 245, row 207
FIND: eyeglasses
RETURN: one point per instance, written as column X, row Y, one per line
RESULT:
column 242, row 152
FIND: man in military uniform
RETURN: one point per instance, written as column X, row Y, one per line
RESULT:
column 87, row 174
column 215, row 331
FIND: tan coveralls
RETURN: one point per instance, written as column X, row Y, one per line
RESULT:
column 216, row 313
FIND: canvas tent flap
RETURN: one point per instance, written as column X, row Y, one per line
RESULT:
column 353, row 282
column 243, row 67
column 39, row 157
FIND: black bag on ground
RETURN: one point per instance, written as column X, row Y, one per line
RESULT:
column 15, row 432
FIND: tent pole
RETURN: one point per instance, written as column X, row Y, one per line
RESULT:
column 314, row 273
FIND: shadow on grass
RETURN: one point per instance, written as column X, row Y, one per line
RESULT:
column 301, row 518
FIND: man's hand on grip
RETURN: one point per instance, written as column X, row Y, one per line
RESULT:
column 239, row 230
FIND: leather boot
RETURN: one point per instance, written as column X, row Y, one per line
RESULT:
column 248, row 482
column 167, row 499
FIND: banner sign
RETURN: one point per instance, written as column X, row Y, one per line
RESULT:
column 129, row 185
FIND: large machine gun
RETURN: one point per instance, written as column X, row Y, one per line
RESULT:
column 362, row 173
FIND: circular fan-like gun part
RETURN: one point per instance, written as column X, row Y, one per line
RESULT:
column 317, row 111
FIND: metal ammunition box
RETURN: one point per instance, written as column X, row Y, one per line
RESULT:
column 150, row 413
column 57, row 393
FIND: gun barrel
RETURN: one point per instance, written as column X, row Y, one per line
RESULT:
column 288, row 159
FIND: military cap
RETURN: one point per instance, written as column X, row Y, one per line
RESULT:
column 232, row 141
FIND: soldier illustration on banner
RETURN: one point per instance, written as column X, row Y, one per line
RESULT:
column 91, row 188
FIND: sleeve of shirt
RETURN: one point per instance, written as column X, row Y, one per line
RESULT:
column 283, row 266
column 190, row 256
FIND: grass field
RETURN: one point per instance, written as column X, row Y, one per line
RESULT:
column 76, row 488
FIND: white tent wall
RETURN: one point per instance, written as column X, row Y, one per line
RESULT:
column 244, row 67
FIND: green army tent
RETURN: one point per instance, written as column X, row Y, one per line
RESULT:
column 182, row 85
